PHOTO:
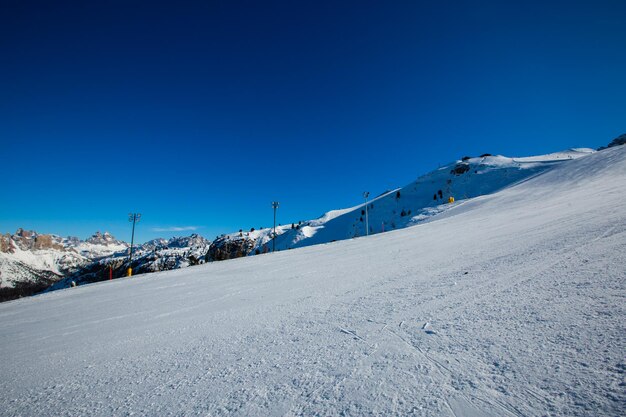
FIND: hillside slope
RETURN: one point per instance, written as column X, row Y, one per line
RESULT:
column 511, row 304
column 414, row 203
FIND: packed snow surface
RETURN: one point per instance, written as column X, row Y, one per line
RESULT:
column 509, row 304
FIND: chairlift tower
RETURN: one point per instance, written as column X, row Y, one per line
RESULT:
column 134, row 218
column 275, row 205
column 367, row 223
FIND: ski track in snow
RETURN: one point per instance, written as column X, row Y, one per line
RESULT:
column 510, row 305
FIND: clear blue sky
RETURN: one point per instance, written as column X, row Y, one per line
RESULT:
column 200, row 114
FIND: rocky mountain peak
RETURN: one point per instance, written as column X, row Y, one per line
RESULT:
column 31, row 240
column 26, row 234
column 102, row 239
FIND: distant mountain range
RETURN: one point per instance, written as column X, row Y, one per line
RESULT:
column 153, row 256
column 32, row 262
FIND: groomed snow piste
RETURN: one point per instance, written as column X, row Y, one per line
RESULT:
column 510, row 304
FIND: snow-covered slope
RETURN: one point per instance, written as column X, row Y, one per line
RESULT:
column 511, row 304
column 417, row 202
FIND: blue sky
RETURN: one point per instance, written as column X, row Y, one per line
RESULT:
column 198, row 115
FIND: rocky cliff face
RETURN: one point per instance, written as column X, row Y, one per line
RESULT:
column 30, row 240
column 5, row 243
column 230, row 247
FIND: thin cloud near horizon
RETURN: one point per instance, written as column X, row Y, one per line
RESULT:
column 175, row 228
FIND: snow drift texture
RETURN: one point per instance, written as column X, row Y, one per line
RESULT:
column 511, row 304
